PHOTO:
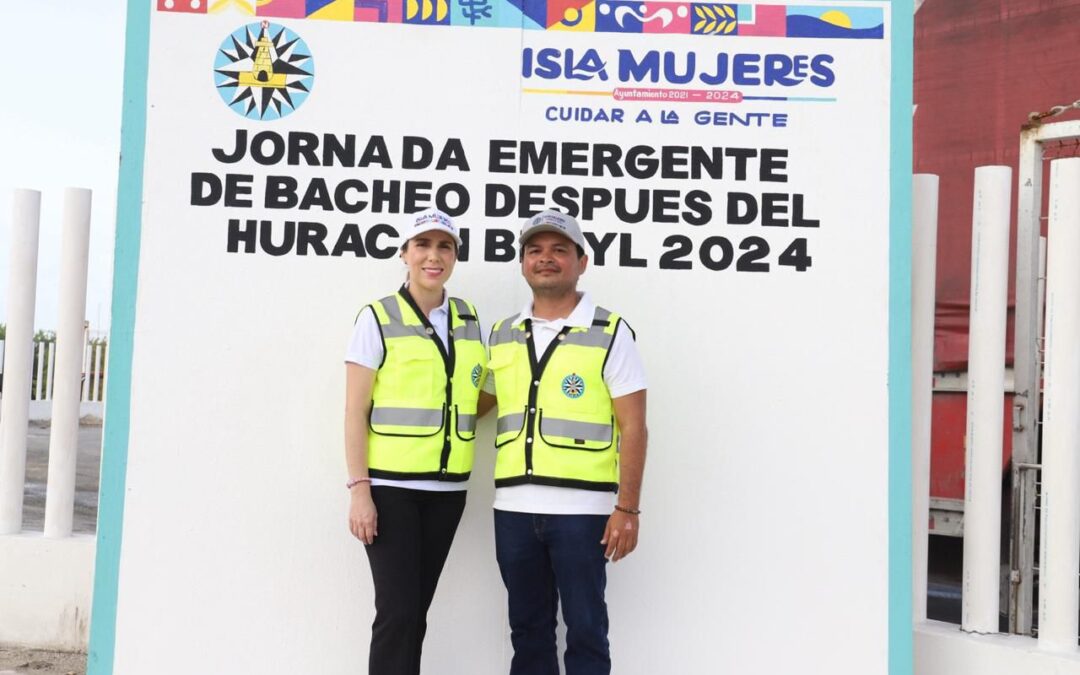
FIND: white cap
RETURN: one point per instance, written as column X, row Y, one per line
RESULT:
column 552, row 221
column 432, row 219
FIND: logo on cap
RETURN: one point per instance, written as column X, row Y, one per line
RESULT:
column 436, row 217
column 555, row 222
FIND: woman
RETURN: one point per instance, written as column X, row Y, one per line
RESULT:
column 413, row 374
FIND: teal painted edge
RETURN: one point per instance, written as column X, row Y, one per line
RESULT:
column 901, row 628
column 121, row 341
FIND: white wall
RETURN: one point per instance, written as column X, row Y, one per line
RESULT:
column 45, row 590
column 41, row 411
column 759, row 447
column 941, row 649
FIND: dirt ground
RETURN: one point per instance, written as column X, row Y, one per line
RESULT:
column 34, row 661
column 41, row 662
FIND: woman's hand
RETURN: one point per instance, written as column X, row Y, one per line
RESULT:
column 363, row 518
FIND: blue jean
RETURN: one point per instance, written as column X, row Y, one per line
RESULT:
column 545, row 559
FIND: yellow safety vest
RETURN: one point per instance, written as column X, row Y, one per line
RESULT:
column 422, row 424
column 556, row 423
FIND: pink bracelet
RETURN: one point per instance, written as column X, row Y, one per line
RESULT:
column 353, row 482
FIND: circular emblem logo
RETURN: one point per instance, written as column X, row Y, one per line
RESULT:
column 477, row 371
column 264, row 71
column 573, row 386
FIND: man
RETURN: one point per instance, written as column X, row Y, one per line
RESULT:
column 571, row 443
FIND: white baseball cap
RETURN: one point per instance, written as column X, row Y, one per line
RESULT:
column 432, row 219
column 552, row 221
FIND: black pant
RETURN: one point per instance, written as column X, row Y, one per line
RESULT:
column 416, row 528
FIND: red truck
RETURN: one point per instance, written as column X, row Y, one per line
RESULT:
column 981, row 68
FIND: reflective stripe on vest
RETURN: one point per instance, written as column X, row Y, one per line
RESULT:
column 407, row 417
column 556, row 428
column 556, row 424
column 511, row 422
column 423, row 411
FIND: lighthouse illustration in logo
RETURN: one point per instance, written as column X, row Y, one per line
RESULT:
column 264, row 71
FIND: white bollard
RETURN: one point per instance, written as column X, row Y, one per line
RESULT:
column 38, row 391
column 1040, row 293
column 103, row 366
column 15, row 404
column 923, row 286
column 70, row 334
column 1059, row 563
column 85, row 360
column 985, row 403
column 50, row 379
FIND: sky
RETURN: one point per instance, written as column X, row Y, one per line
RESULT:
column 60, row 127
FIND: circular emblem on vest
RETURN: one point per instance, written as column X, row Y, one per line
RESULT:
column 477, row 371
column 573, row 386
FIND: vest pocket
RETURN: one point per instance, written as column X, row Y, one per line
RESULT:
column 464, row 425
column 412, row 377
column 509, row 427
column 388, row 419
column 575, row 435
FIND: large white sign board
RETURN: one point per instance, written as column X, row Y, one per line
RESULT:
column 736, row 169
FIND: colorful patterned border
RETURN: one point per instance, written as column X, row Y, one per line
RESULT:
column 586, row 16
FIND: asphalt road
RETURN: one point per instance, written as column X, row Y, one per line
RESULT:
column 87, row 470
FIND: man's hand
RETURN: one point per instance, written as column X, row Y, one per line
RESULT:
column 363, row 518
column 620, row 535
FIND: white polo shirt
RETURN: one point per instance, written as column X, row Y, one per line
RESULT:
column 623, row 374
column 366, row 349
